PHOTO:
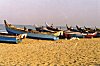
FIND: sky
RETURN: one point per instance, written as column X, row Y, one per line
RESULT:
column 58, row 12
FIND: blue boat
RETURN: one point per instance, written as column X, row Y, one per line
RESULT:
column 30, row 33
column 10, row 38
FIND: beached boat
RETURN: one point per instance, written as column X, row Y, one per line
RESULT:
column 85, row 29
column 80, row 29
column 10, row 38
column 42, row 29
column 69, row 34
column 30, row 33
column 59, row 31
column 89, row 30
column 71, row 28
column 89, row 35
column 52, row 28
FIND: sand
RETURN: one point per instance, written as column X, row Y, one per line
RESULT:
column 32, row 52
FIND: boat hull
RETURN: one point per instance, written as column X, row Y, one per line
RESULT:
column 68, row 34
column 9, row 38
column 77, row 35
column 31, row 35
column 90, row 35
column 73, row 35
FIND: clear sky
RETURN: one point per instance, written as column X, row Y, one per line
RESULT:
column 58, row 12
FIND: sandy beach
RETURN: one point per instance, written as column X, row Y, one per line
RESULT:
column 32, row 52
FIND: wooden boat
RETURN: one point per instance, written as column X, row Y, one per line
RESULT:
column 98, row 32
column 42, row 29
column 10, row 38
column 89, row 35
column 59, row 31
column 89, row 30
column 71, row 29
column 85, row 30
column 30, row 33
column 80, row 29
column 52, row 28
column 69, row 34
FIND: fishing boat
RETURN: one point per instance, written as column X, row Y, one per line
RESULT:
column 30, row 33
column 42, row 29
column 71, row 28
column 69, row 34
column 90, row 30
column 10, row 38
column 98, row 32
column 80, row 29
column 89, row 35
column 59, row 31
column 85, row 29
column 52, row 28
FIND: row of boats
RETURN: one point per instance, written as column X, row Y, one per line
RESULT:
column 47, row 32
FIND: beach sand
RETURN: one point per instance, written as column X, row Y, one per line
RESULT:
column 32, row 52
